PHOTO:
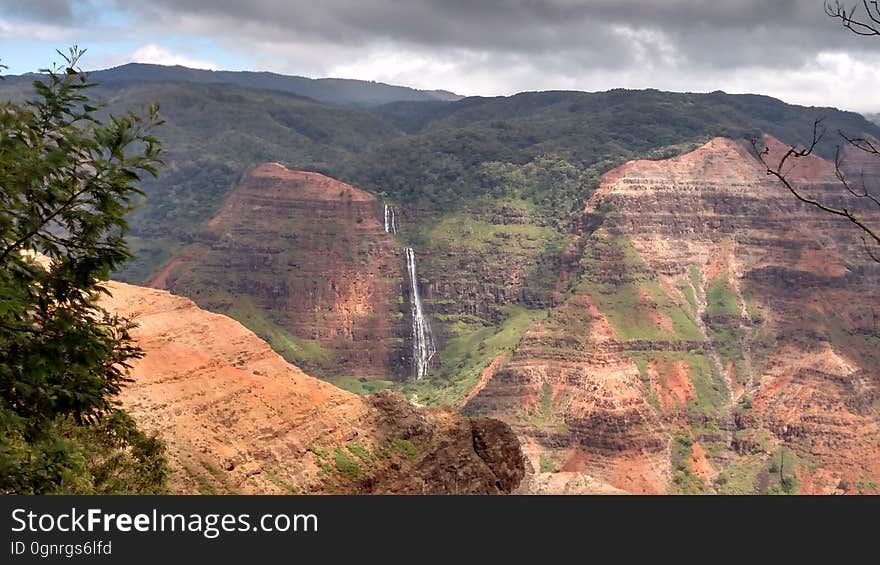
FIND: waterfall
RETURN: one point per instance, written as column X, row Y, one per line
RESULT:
column 424, row 348
column 390, row 222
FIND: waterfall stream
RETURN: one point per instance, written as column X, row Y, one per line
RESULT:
column 390, row 221
column 424, row 348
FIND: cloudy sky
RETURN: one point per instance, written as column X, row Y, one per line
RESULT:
column 785, row 48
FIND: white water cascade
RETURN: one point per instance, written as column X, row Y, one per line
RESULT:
column 390, row 221
column 424, row 348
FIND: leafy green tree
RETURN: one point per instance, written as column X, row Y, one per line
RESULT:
column 67, row 179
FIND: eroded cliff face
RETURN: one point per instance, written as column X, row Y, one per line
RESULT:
column 304, row 261
column 487, row 256
column 237, row 418
column 715, row 335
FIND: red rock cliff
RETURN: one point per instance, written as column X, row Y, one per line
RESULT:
column 303, row 260
column 718, row 328
column 237, row 418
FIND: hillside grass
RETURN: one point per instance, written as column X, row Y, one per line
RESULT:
column 465, row 356
column 724, row 325
column 710, row 392
column 502, row 246
column 305, row 353
column 361, row 385
column 620, row 283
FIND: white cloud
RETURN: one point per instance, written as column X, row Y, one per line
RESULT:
column 34, row 31
column 158, row 55
column 842, row 79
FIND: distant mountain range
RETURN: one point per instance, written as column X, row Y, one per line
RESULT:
column 613, row 274
column 336, row 91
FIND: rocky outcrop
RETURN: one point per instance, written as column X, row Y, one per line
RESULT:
column 237, row 418
column 303, row 260
column 717, row 323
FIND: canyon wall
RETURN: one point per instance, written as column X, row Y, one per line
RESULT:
column 716, row 336
column 237, row 418
column 305, row 262
column 704, row 331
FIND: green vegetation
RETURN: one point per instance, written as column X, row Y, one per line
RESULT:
column 866, row 486
column 548, row 414
column 503, row 246
column 720, row 299
column 741, row 476
column 754, row 473
column 724, row 324
column 638, row 308
column 305, row 353
column 465, row 357
column 554, row 186
column 67, row 180
column 342, row 92
column 361, row 386
column 782, row 472
column 443, row 159
column 360, row 452
column 546, row 399
column 405, row 448
column 547, row 463
column 279, row 482
column 205, row 486
column 548, row 148
column 710, row 392
column 688, row 293
column 346, row 465
column 684, row 480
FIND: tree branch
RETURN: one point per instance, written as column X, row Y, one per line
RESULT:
column 780, row 174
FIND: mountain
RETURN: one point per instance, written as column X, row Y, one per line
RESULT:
column 705, row 333
column 448, row 145
column 335, row 91
column 719, row 337
column 612, row 274
column 462, row 157
column 237, row 418
column 303, row 260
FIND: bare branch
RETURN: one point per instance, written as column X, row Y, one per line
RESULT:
column 841, row 176
column 780, row 173
column 868, row 25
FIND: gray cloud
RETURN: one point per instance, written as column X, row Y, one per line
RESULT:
column 786, row 48
column 53, row 11
column 726, row 33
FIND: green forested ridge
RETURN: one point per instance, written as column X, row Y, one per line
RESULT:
column 591, row 130
column 343, row 92
column 430, row 155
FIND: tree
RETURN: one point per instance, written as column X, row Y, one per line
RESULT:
column 862, row 197
column 67, row 179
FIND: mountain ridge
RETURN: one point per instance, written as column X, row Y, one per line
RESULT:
column 336, row 91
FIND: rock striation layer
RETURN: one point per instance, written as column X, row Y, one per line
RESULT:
column 303, row 260
column 237, row 418
column 717, row 335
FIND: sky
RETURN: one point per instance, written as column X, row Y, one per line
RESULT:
column 789, row 49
